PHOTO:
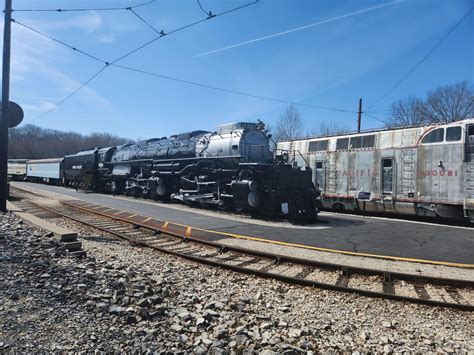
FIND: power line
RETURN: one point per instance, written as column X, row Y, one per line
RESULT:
column 106, row 64
column 184, row 81
column 71, row 94
column 86, row 9
column 202, row 9
column 375, row 118
column 422, row 60
column 241, row 93
column 162, row 33
column 59, row 41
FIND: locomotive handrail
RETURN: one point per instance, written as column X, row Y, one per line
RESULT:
column 294, row 155
column 171, row 160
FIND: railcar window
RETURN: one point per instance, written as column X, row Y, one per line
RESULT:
column 318, row 146
column 356, row 142
column 435, row 136
column 453, row 134
column 368, row 141
column 470, row 131
column 342, row 143
column 323, row 145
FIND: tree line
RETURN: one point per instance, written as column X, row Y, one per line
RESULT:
column 445, row 104
column 33, row 142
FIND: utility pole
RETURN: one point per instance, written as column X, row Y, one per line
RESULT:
column 359, row 115
column 5, row 104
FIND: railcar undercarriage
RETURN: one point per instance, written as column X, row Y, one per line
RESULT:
column 269, row 189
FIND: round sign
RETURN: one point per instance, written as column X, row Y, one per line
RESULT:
column 15, row 115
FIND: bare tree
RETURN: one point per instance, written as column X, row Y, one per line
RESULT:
column 446, row 104
column 290, row 125
column 450, row 103
column 407, row 112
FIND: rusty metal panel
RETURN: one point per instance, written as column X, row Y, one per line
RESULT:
column 429, row 173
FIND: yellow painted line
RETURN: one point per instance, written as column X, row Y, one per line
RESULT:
column 146, row 220
column 303, row 246
column 188, row 232
column 116, row 213
column 133, row 215
column 328, row 250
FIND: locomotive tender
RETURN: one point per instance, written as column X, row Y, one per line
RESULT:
column 425, row 171
column 232, row 168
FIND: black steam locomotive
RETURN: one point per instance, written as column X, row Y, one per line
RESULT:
column 232, row 168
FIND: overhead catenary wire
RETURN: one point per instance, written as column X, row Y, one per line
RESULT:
column 375, row 118
column 417, row 65
column 59, row 41
column 236, row 92
column 189, row 82
column 87, row 9
column 163, row 33
column 202, row 9
column 106, row 63
column 96, row 74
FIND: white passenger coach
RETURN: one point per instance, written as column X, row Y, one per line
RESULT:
column 426, row 171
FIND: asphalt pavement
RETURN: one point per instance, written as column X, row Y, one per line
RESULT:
column 349, row 233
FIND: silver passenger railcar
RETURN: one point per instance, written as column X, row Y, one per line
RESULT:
column 45, row 170
column 17, row 169
column 426, row 171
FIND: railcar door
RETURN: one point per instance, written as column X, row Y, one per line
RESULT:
column 469, row 172
column 387, row 182
column 470, row 144
column 319, row 175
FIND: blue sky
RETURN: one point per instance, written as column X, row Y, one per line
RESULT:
column 354, row 49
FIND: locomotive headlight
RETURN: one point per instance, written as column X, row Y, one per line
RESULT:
column 160, row 181
column 253, row 185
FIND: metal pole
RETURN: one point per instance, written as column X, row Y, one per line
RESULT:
column 359, row 115
column 5, row 104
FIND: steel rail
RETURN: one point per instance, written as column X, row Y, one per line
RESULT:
column 347, row 271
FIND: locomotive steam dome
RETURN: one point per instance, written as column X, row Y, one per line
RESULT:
column 244, row 141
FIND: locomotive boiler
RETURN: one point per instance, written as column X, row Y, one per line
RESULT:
column 232, row 168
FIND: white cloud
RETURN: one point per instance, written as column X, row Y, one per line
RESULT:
column 89, row 22
column 337, row 18
column 39, row 107
column 37, row 68
column 105, row 38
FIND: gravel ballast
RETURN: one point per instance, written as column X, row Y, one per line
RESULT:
column 127, row 298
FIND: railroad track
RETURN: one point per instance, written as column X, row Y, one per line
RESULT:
column 367, row 282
